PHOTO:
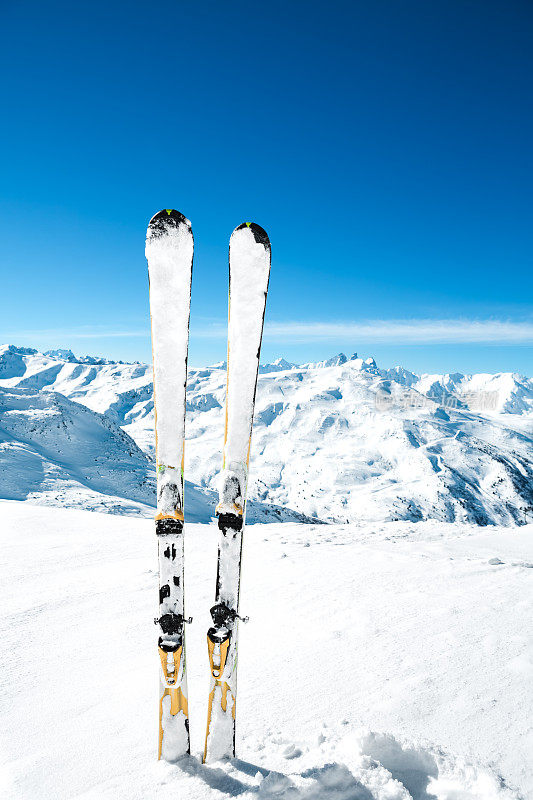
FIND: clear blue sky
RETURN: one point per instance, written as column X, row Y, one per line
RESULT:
column 386, row 147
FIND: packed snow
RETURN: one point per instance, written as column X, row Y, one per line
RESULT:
column 381, row 662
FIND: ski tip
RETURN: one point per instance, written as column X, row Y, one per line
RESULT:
column 259, row 233
column 165, row 219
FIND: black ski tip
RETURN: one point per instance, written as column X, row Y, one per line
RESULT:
column 165, row 219
column 260, row 235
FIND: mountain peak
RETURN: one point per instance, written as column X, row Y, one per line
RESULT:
column 61, row 355
column 359, row 442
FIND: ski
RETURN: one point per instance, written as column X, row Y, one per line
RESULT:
column 249, row 269
column 169, row 252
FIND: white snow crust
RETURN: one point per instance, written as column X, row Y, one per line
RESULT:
column 220, row 736
column 175, row 739
column 381, row 662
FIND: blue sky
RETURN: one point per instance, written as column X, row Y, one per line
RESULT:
column 384, row 146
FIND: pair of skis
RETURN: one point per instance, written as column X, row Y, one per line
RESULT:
column 169, row 251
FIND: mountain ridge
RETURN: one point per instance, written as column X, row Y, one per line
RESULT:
column 335, row 440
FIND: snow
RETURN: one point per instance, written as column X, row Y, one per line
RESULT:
column 349, row 441
column 389, row 657
column 220, row 735
column 175, row 739
column 52, row 447
column 57, row 452
column 386, row 662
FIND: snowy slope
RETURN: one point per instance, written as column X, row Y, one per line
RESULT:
column 416, row 632
column 54, row 450
column 337, row 440
column 57, row 452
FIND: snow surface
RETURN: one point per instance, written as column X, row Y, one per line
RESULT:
column 383, row 662
column 339, row 440
column 54, row 450
column 384, row 659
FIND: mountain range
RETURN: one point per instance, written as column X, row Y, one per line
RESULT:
column 339, row 440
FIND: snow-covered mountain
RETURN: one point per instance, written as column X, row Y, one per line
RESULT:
column 54, row 451
column 335, row 440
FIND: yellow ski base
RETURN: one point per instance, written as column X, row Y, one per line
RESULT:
column 237, row 509
column 175, row 515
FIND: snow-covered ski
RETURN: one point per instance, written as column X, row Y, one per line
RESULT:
column 249, row 269
column 169, row 251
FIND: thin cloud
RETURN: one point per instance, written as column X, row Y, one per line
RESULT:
column 65, row 334
column 403, row 331
column 111, row 334
column 413, row 331
column 397, row 331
